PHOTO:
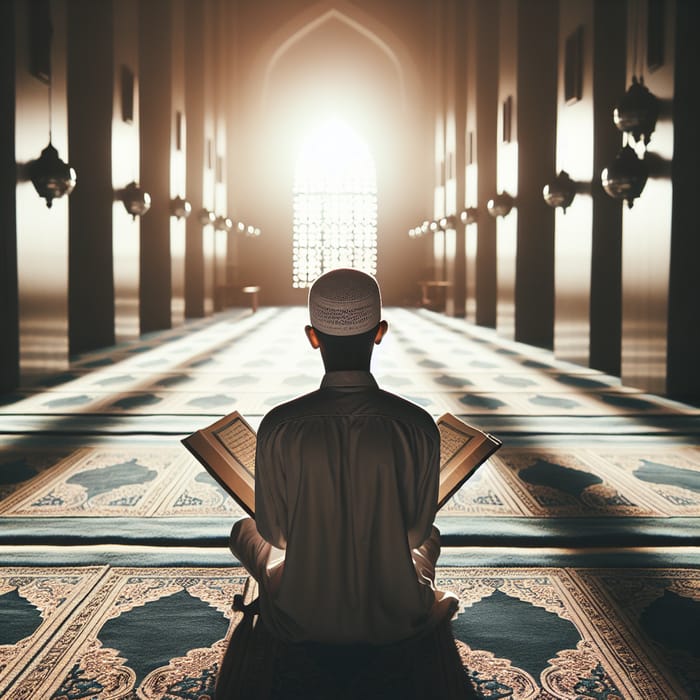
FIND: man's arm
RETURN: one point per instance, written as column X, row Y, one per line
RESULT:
column 426, row 487
column 270, row 491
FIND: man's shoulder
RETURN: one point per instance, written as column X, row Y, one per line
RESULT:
column 374, row 402
column 399, row 408
column 298, row 407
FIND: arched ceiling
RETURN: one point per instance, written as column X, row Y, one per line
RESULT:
column 279, row 44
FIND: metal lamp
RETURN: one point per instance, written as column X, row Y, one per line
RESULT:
column 469, row 216
column 180, row 208
column 52, row 178
column 500, row 205
column 560, row 192
column 637, row 112
column 136, row 201
column 625, row 177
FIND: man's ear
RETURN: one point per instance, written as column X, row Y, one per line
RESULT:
column 381, row 331
column 313, row 338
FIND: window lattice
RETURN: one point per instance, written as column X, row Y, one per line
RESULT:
column 335, row 206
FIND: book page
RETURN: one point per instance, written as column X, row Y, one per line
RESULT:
column 452, row 440
column 463, row 448
column 239, row 441
column 227, row 451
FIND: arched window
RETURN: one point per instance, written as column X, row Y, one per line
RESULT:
column 335, row 204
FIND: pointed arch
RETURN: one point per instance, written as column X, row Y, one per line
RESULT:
column 306, row 22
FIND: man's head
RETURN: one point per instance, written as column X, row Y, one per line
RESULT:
column 345, row 309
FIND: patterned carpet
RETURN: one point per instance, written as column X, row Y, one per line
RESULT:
column 574, row 550
column 82, row 631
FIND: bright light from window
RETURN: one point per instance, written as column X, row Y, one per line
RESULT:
column 335, row 204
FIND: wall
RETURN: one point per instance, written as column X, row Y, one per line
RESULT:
column 646, row 228
column 606, row 251
column 588, row 234
column 455, row 158
column 525, row 160
column 573, row 238
column 41, row 233
column 195, row 145
column 660, row 288
column 126, row 168
column 683, row 374
column 199, row 244
column 157, row 121
column 220, row 100
column 482, row 45
column 439, row 113
column 507, row 167
column 163, row 144
column 535, row 113
column 178, row 162
column 210, row 236
column 9, row 317
column 104, row 238
column 90, row 95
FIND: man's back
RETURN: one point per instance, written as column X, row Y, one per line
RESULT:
column 346, row 480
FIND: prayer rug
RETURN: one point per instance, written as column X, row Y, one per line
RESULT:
column 127, row 478
column 34, row 603
column 19, row 465
column 148, row 633
column 669, row 476
column 172, row 394
column 580, row 482
column 111, row 480
column 157, row 477
column 543, row 633
column 167, row 352
column 210, row 371
column 146, row 489
column 91, row 457
column 523, row 633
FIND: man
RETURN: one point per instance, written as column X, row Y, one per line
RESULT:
column 346, row 482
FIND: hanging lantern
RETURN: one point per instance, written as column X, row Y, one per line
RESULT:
column 447, row 223
column 637, row 112
column 135, row 200
column 51, row 177
column 500, row 205
column 560, row 192
column 180, row 208
column 626, row 177
column 469, row 216
column 206, row 217
column 223, row 223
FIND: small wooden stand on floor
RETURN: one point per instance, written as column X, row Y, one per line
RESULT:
column 253, row 293
column 436, row 302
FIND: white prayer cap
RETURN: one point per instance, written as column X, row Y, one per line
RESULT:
column 345, row 302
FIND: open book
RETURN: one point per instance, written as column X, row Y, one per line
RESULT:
column 226, row 449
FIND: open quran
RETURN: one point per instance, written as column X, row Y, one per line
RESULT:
column 226, row 449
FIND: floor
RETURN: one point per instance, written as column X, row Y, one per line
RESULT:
column 574, row 550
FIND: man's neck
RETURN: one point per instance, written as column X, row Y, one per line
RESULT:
column 338, row 362
column 343, row 367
